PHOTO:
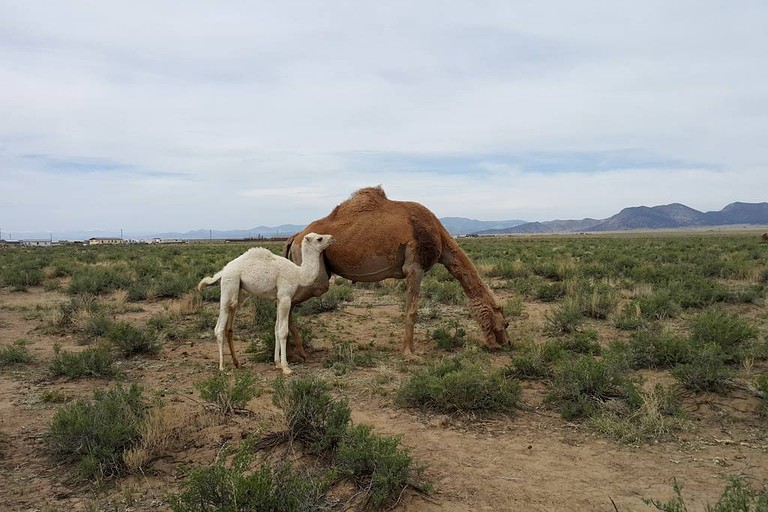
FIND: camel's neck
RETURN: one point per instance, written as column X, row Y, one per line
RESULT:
column 310, row 266
column 460, row 267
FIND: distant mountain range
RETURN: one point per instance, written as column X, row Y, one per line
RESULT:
column 669, row 216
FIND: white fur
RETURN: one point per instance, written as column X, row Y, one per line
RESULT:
column 264, row 274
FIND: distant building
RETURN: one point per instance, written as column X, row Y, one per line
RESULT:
column 105, row 241
column 36, row 243
column 167, row 241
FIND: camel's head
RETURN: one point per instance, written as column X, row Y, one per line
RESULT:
column 318, row 242
column 490, row 316
column 500, row 324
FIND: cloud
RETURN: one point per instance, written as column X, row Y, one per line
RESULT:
column 179, row 116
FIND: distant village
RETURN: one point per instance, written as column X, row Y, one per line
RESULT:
column 48, row 242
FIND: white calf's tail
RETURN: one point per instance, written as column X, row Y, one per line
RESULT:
column 208, row 281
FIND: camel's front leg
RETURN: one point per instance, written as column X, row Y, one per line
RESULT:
column 414, row 274
column 281, row 334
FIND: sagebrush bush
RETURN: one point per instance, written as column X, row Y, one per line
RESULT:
column 584, row 342
column 15, row 353
column 94, row 434
column 565, row 318
column 580, row 387
column 229, row 393
column 706, row 370
column 536, row 360
column 728, row 331
column 240, row 484
column 314, row 417
column 657, row 348
column 450, row 337
column 459, row 385
column 93, row 362
column 630, row 318
column 131, row 340
column 375, row 463
column 736, row 497
column 97, row 280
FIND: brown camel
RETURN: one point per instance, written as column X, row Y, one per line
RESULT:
column 376, row 239
column 764, row 238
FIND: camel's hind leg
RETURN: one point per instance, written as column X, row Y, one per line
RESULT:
column 413, row 275
column 230, row 301
column 281, row 333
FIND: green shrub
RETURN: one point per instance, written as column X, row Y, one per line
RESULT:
column 93, row 435
column 580, row 387
column 446, row 340
column 706, row 371
column 93, row 362
column 597, row 300
column 375, row 463
column 565, row 318
column 457, row 385
column 21, row 277
column 630, row 318
column 659, row 305
column 314, row 417
column 237, row 486
column 16, row 353
column 582, row 343
column 97, row 280
column 550, row 292
column 535, row 360
column 736, row 497
column 345, row 356
column 229, row 394
column 728, row 331
column 657, row 348
column 131, row 340
column 658, row 416
column 442, row 292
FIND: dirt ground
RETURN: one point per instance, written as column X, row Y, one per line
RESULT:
column 531, row 461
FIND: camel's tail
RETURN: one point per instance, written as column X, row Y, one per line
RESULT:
column 208, row 281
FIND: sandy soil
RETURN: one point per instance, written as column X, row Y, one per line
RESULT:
column 531, row 461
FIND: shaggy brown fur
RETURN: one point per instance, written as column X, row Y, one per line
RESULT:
column 377, row 238
column 765, row 237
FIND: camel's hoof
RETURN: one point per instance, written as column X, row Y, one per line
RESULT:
column 286, row 371
column 296, row 358
column 410, row 356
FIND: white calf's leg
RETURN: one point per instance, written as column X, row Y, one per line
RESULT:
column 281, row 333
column 230, row 291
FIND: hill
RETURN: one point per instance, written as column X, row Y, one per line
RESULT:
column 669, row 216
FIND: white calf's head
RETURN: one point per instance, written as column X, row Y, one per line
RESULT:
column 318, row 242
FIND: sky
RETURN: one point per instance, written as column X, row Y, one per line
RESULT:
column 152, row 116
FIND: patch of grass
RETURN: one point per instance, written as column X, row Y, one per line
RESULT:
column 375, row 463
column 345, row 356
column 229, row 393
column 565, row 318
column 53, row 396
column 730, row 332
column 447, row 340
column 94, row 434
column 93, row 362
column 457, row 385
column 658, row 305
column 239, row 484
column 536, row 360
column 15, row 353
column 736, row 497
column 550, row 292
column 580, row 388
column 131, row 340
column 97, row 280
column 314, row 417
column 706, row 370
column 630, row 318
column 584, row 342
column 656, row 419
column 657, row 348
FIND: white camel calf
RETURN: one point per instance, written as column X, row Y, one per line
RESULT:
column 264, row 274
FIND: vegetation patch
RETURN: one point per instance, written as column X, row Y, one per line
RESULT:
column 94, row 434
column 229, row 393
column 458, row 385
column 15, row 353
column 93, row 362
column 736, row 497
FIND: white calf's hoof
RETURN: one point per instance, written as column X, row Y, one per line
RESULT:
column 286, row 370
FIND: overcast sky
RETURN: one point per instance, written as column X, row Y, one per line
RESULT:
column 155, row 116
